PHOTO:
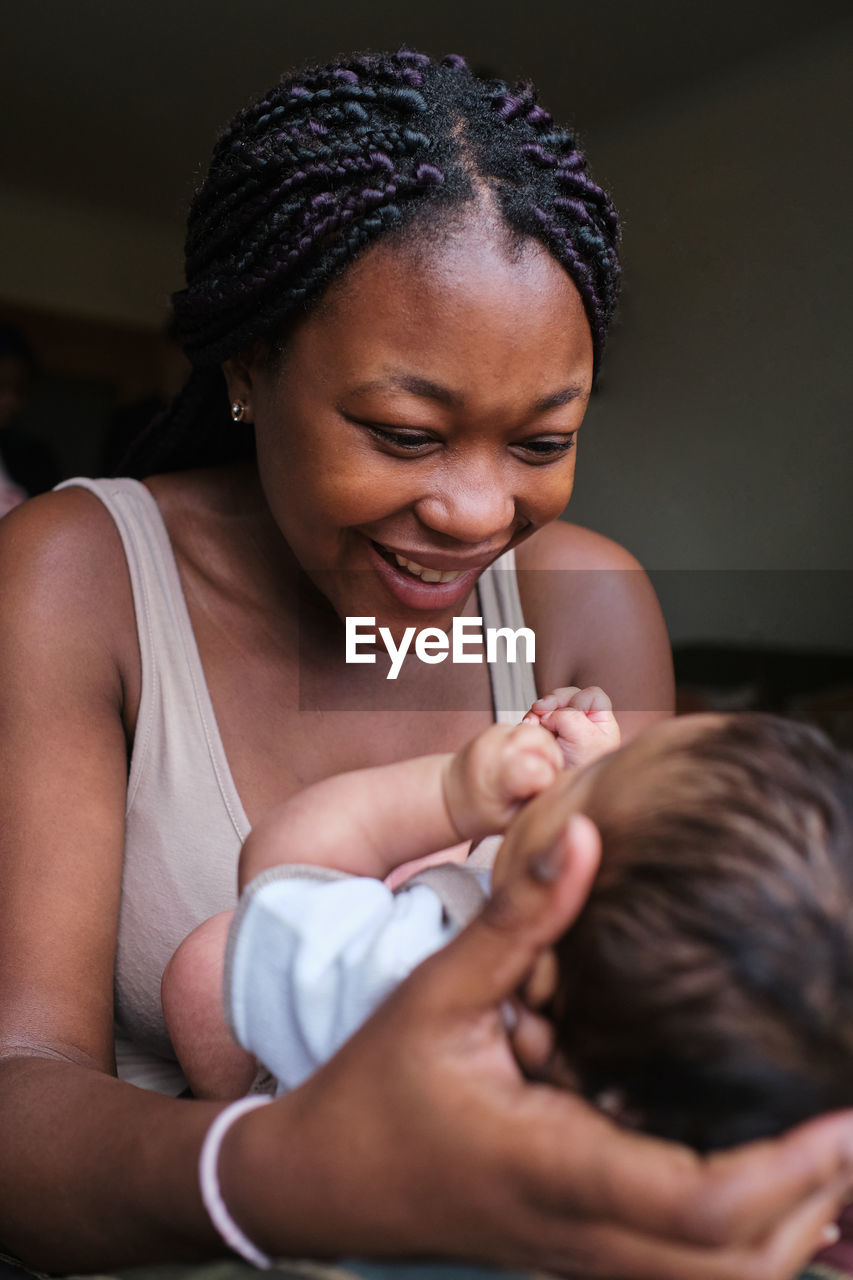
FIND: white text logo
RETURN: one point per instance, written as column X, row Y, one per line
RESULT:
column 432, row 645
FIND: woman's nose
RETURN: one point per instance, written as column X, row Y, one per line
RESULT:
column 475, row 508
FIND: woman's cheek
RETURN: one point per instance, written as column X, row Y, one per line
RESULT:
column 554, row 494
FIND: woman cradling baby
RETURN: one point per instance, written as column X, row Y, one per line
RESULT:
column 399, row 280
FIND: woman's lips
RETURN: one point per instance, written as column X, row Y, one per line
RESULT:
column 428, row 588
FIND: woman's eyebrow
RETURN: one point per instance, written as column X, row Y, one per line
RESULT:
column 414, row 385
column 429, row 390
column 575, row 392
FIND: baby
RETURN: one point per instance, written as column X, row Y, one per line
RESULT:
column 705, row 993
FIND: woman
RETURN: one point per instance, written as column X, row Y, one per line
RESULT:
column 399, row 280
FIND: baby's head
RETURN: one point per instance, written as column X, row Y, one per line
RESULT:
column 706, row 992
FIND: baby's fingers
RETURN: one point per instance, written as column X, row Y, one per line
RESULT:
column 528, row 772
column 530, row 738
column 591, row 700
column 567, row 723
column 551, row 701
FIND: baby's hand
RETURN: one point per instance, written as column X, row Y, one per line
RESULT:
column 487, row 782
column 581, row 720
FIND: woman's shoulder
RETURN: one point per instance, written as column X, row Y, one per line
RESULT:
column 576, row 582
column 63, row 575
column 596, row 618
column 564, row 546
column 66, row 531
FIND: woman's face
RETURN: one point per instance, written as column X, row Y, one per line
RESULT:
column 422, row 420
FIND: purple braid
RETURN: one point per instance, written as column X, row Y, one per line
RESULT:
column 309, row 176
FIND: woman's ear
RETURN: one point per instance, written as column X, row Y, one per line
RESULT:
column 240, row 372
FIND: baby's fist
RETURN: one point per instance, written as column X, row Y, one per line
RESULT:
column 488, row 781
column 581, row 720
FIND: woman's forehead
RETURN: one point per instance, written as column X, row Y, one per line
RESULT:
column 463, row 299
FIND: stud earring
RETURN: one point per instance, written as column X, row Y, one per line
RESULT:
column 238, row 411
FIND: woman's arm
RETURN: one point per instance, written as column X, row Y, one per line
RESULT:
column 93, row 1171
column 597, row 622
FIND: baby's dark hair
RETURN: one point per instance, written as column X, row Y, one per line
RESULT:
column 708, row 986
column 331, row 159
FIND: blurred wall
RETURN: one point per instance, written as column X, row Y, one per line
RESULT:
column 721, row 441
column 87, row 260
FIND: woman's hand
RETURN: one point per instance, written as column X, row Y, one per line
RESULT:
column 422, row 1138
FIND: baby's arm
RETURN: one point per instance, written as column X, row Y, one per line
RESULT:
column 214, row 1064
column 364, row 823
column 368, row 822
column 582, row 722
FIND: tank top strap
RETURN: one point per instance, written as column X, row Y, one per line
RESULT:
column 513, row 683
column 175, row 698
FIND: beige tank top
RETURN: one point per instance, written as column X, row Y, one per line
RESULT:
column 185, row 820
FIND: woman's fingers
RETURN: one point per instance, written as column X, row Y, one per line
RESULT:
column 608, row 1251
column 531, row 1036
column 803, row 1232
column 780, row 1255
column 613, row 1176
column 542, row 982
column 749, row 1188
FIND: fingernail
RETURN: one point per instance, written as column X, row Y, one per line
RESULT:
column 546, row 865
column 831, row 1234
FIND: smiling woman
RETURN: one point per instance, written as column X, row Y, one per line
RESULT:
column 399, row 279
column 437, row 430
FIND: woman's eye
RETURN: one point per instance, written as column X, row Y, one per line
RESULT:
column 546, row 449
column 408, row 441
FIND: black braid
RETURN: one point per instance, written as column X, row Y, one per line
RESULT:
column 305, row 179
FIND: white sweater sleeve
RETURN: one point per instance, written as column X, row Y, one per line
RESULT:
column 310, row 956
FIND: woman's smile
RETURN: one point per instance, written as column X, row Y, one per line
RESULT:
column 418, row 586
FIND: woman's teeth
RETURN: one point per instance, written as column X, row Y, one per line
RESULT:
column 425, row 574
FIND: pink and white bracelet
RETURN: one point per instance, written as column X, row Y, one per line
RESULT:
column 208, row 1178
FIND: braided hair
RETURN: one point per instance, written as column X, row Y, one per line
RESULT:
column 306, row 178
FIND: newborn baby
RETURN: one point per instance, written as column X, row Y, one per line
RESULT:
column 703, row 993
